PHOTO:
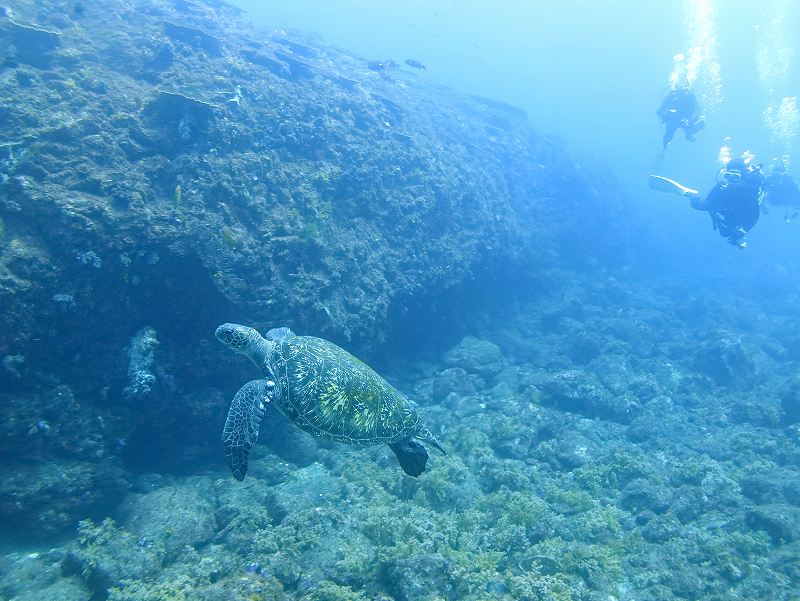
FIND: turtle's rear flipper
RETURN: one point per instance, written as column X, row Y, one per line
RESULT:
column 241, row 427
column 411, row 455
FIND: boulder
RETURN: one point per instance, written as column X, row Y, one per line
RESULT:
column 476, row 356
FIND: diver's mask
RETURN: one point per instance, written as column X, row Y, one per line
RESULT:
column 729, row 177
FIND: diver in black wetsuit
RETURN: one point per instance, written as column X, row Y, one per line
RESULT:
column 734, row 202
column 781, row 190
column 677, row 111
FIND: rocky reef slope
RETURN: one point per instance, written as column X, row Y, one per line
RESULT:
column 595, row 452
column 164, row 148
column 165, row 167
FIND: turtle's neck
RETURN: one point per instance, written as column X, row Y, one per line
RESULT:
column 258, row 351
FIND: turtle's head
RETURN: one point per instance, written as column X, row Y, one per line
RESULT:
column 237, row 338
column 246, row 341
column 250, row 343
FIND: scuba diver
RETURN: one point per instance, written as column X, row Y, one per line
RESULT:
column 677, row 111
column 780, row 189
column 734, row 202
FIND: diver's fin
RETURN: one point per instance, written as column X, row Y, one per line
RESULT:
column 664, row 184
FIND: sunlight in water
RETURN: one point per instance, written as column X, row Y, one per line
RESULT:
column 724, row 156
column 775, row 56
column 783, row 122
column 701, row 63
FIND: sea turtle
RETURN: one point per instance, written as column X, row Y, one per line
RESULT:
column 325, row 391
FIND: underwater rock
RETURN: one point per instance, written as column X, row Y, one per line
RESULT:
column 452, row 380
column 172, row 516
column 688, row 505
column 179, row 118
column 790, row 404
column 37, row 576
column 306, row 488
column 572, row 450
column 780, row 521
column 726, row 360
column 641, row 494
column 464, row 406
column 660, row 529
column 566, row 318
column 720, row 491
column 413, row 578
column 43, row 500
column 32, row 45
column 266, row 58
column 580, row 392
column 476, row 356
column 105, row 555
column 584, row 347
column 69, row 468
column 763, row 487
column 511, row 437
column 657, row 422
column 758, row 413
column 242, row 509
column 292, row 444
column 194, row 37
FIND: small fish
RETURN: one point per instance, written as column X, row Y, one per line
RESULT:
column 176, row 197
column 415, row 64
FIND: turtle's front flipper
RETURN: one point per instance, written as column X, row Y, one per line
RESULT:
column 411, row 455
column 241, row 427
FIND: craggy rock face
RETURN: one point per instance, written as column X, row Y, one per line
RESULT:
column 290, row 181
column 164, row 166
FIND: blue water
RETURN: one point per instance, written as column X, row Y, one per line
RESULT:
column 593, row 73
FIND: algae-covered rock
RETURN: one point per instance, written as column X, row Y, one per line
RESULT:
column 415, row 578
column 452, row 380
column 727, row 360
column 105, row 555
column 58, row 461
column 37, row 577
column 306, row 488
column 641, row 494
column 511, row 437
column 780, row 521
column 758, row 413
column 581, row 392
column 572, row 450
column 299, row 188
column 790, row 404
column 47, row 499
column 475, row 356
column 172, row 516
